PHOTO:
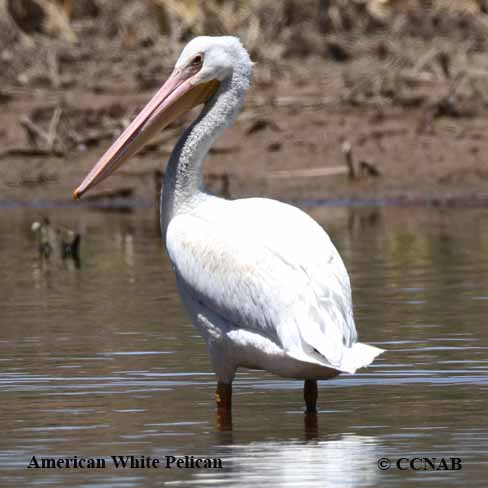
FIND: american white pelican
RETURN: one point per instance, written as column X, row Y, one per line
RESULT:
column 262, row 281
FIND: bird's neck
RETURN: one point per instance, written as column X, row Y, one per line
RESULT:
column 183, row 182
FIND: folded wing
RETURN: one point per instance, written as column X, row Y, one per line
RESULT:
column 277, row 274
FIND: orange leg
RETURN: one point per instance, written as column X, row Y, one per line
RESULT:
column 310, row 395
column 223, row 396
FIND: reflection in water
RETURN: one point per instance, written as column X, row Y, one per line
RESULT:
column 311, row 423
column 345, row 461
column 102, row 361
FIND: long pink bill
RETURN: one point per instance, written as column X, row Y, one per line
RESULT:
column 177, row 96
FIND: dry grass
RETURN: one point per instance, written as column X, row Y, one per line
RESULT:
column 47, row 42
column 255, row 20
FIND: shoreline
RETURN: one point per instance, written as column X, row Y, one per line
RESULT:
column 480, row 202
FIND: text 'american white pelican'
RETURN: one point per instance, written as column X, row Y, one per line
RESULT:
column 261, row 280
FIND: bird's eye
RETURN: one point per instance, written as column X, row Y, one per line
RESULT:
column 197, row 60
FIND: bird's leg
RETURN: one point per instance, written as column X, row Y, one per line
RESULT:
column 310, row 395
column 223, row 396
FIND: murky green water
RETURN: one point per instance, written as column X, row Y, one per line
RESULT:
column 101, row 361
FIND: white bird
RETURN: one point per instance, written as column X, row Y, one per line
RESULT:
column 261, row 280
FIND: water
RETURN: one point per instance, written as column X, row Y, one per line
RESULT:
column 101, row 360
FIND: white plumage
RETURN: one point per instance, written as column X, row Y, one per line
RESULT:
column 266, row 288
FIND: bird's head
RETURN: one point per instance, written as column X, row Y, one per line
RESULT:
column 215, row 57
column 203, row 65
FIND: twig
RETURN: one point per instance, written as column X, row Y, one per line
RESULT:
column 33, row 130
column 309, row 173
column 347, row 151
column 369, row 169
column 425, row 59
column 28, row 152
column 53, row 68
column 56, row 20
column 291, row 101
column 53, row 128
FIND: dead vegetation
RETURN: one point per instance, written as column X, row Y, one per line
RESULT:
column 339, row 30
column 65, row 64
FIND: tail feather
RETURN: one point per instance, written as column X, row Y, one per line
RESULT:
column 328, row 348
column 358, row 356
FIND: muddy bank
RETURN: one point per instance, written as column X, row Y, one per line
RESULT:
column 404, row 98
